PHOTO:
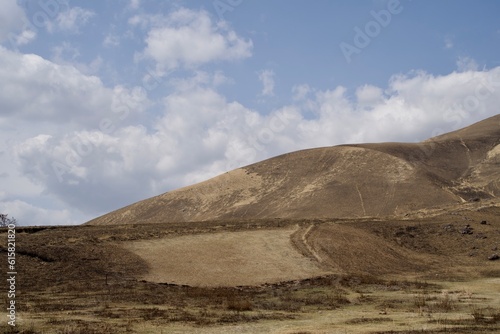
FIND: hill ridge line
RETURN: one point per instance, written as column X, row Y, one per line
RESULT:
column 444, row 171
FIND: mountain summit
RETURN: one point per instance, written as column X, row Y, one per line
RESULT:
column 346, row 181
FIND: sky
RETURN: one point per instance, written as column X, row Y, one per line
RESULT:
column 105, row 103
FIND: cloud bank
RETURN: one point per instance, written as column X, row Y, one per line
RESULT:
column 200, row 134
column 188, row 39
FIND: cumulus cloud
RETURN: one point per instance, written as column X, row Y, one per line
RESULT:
column 111, row 41
column 24, row 37
column 200, row 134
column 300, row 92
column 368, row 95
column 65, row 51
column 188, row 39
column 466, row 64
column 14, row 26
column 267, row 79
column 70, row 20
column 84, row 162
column 36, row 89
column 133, row 163
column 413, row 107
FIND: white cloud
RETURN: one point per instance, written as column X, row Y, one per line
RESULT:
column 188, row 39
column 55, row 110
column 199, row 128
column 199, row 79
column 28, row 214
column 368, row 95
column 448, row 43
column 134, row 4
column 142, row 21
column 14, row 25
column 36, row 89
column 25, row 37
column 91, row 68
column 111, row 41
column 466, row 64
column 300, row 92
column 267, row 79
column 71, row 20
column 413, row 107
column 65, row 51
column 66, row 54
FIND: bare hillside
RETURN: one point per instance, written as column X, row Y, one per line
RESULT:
column 366, row 180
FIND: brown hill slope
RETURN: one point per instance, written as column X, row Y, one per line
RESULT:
column 387, row 179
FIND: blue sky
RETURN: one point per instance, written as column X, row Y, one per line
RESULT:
column 104, row 103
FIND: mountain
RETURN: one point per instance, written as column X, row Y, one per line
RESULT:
column 346, row 181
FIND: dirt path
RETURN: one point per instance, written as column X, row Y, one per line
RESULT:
column 311, row 250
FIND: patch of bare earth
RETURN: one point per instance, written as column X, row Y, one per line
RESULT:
column 254, row 257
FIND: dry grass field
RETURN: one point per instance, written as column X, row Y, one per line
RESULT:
column 418, row 275
column 255, row 257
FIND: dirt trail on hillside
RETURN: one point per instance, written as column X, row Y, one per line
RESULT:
column 299, row 240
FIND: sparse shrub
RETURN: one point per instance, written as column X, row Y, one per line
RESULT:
column 364, row 298
column 478, row 314
column 152, row 313
column 18, row 329
column 290, row 307
column 242, row 317
column 206, row 318
column 86, row 328
column 107, row 313
column 356, row 321
column 445, row 303
column 420, row 300
column 352, row 281
column 6, row 221
column 495, row 316
column 316, row 298
column 239, row 305
column 485, row 315
column 181, row 315
column 494, row 273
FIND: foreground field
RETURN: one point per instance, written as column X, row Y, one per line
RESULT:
column 255, row 257
column 347, row 304
column 419, row 275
